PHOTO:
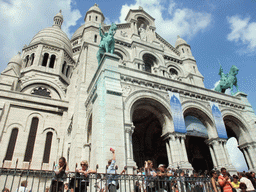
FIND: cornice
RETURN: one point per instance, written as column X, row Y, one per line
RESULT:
column 186, row 93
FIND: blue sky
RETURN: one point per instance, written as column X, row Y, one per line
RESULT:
column 216, row 30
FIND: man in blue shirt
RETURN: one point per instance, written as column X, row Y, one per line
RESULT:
column 112, row 183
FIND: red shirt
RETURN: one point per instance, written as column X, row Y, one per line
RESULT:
column 226, row 186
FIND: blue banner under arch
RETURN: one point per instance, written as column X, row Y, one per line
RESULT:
column 177, row 114
column 220, row 126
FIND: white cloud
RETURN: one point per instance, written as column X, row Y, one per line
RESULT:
column 242, row 32
column 22, row 19
column 184, row 22
column 236, row 156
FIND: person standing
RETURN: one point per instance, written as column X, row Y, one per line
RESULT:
column 82, row 177
column 23, row 187
column 112, row 183
column 214, row 182
column 224, row 181
column 247, row 182
column 150, row 176
column 235, row 183
column 60, row 175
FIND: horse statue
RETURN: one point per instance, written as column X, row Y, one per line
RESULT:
column 227, row 80
column 107, row 42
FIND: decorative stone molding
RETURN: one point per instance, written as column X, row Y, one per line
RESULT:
column 123, row 43
column 51, row 48
column 247, row 145
column 172, row 59
column 30, row 48
column 167, row 44
column 213, row 141
column 186, row 93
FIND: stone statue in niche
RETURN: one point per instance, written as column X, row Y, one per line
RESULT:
column 142, row 32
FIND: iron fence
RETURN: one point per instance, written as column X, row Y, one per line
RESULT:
column 46, row 181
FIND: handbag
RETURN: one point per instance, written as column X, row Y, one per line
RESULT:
column 233, row 189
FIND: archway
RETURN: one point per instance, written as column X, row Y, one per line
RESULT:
column 235, row 137
column 198, row 151
column 147, row 140
column 198, row 154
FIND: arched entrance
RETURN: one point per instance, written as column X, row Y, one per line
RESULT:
column 198, row 154
column 234, row 132
column 198, row 151
column 147, row 140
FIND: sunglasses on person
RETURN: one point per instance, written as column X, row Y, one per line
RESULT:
column 83, row 164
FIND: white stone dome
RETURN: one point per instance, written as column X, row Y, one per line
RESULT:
column 78, row 32
column 59, row 15
column 16, row 59
column 180, row 41
column 53, row 36
column 96, row 8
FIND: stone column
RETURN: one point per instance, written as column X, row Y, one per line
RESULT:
column 184, row 152
column 38, row 55
column 169, row 153
column 226, row 152
column 172, row 146
column 247, row 157
column 225, row 158
column 216, row 152
column 178, row 154
column 48, row 61
column 215, row 164
column 130, row 163
column 129, row 129
column 251, row 153
column 135, row 28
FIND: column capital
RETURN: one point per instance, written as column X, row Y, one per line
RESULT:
column 247, row 145
column 129, row 128
column 213, row 141
column 173, row 135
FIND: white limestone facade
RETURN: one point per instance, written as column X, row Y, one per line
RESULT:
column 56, row 100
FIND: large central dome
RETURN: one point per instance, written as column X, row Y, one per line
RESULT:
column 53, row 36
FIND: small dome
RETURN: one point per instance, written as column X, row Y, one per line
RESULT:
column 59, row 15
column 78, row 32
column 180, row 41
column 53, row 36
column 16, row 59
column 95, row 7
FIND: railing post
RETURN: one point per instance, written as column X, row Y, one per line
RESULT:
column 14, row 173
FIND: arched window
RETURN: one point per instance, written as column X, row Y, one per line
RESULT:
column 182, row 50
column 26, row 61
column 119, row 54
column 90, row 18
column 95, row 38
column 67, row 72
column 31, row 139
column 52, row 61
column 32, row 58
column 45, row 59
column 96, row 18
column 89, row 130
column 149, row 61
column 11, row 145
column 63, row 67
column 47, row 147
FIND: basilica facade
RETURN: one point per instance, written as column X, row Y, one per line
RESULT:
column 57, row 100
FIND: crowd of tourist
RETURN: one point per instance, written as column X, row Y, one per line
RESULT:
column 147, row 179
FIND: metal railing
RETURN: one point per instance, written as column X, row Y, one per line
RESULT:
column 42, row 181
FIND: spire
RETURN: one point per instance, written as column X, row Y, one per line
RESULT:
column 58, row 20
